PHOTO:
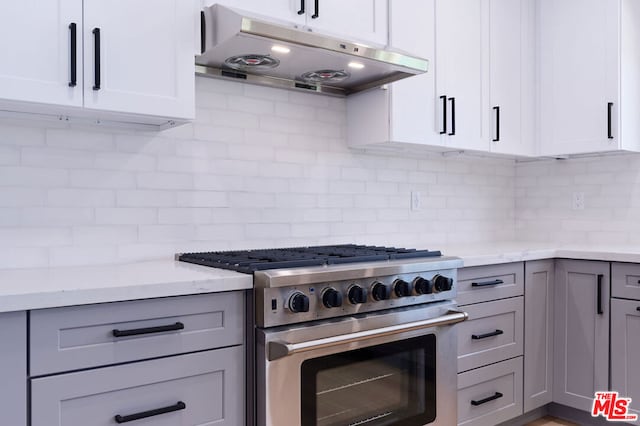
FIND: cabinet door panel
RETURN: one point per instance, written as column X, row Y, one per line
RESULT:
column 13, row 371
column 35, row 41
column 625, row 347
column 459, row 69
column 146, row 56
column 578, row 75
column 581, row 341
column 364, row 20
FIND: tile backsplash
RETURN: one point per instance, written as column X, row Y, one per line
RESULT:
column 259, row 167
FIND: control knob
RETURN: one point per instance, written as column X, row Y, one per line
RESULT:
column 423, row 285
column 379, row 291
column 331, row 298
column 442, row 283
column 298, row 302
column 357, row 295
column 402, row 288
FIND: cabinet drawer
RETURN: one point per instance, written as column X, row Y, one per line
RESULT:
column 490, row 395
column 210, row 385
column 625, row 280
column 484, row 283
column 493, row 332
column 64, row 339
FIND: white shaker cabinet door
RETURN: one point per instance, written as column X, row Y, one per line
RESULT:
column 363, row 20
column 461, row 41
column 139, row 56
column 36, row 39
column 579, row 76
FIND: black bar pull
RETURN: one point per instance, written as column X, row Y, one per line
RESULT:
column 144, row 414
column 488, row 399
column 486, row 335
column 73, row 28
column 599, row 295
column 316, row 15
column 203, row 33
column 638, row 309
column 487, row 283
column 444, row 115
column 301, row 11
column 149, row 330
column 497, row 110
column 453, row 116
column 609, row 118
column 96, row 69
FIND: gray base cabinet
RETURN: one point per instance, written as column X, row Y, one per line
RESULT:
column 199, row 389
column 581, row 341
column 13, row 369
column 538, row 333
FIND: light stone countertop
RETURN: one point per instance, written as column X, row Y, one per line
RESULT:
column 25, row 289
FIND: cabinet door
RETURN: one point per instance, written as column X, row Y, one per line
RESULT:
column 13, row 370
column 284, row 10
column 145, row 59
column 460, row 45
column 581, row 341
column 364, row 20
column 578, row 75
column 35, row 41
column 538, row 333
column 625, row 347
column 511, row 60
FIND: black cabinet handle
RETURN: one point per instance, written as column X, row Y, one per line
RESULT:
column 301, row 11
column 444, row 115
column 599, row 295
column 609, row 124
column 317, row 14
column 497, row 110
column 73, row 29
column 149, row 330
column 96, row 69
column 144, row 414
column 484, row 336
column 638, row 309
column 488, row 399
column 453, row 116
column 203, row 33
column 487, row 283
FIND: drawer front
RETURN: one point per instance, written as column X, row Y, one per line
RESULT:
column 625, row 280
column 65, row 339
column 484, row 283
column 494, row 332
column 210, row 385
column 490, row 395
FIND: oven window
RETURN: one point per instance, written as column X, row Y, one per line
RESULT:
column 384, row 385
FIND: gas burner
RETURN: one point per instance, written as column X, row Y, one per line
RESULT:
column 325, row 76
column 252, row 62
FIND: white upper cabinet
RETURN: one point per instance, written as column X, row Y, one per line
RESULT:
column 139, row 57
column 512, row 74
column 36, row 38
column 360, row 20
column 589, row 76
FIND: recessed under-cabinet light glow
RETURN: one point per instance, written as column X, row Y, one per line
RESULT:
column 280, row 49
column 356, row 65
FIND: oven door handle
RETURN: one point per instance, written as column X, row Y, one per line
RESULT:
column 279, row 349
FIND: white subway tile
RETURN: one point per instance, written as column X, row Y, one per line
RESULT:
column 123, row 161
column 220, row 232
column 126, row 216
column 104, row 235
column 85, row 141
column 34, row 237
column 57, row 158
column 145, row 198
column 239, row 119
column 82, row 255
column 165, row 181
column 22, row 197
column 21, row 135
column 251, row 200
column 9, row 155
column 202, row 199
column 273, row 231
column 310, row 229
column 57, row 216
column 184, row 215
column 63, row 197
column 24, row 257
column 250, row 105
column 103, row 179
column 165, row 233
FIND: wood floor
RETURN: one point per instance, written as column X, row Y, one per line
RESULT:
column 551, row 421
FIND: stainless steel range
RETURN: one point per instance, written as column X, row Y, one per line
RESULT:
column 351, row 335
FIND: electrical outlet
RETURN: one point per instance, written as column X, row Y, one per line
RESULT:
column 577, row 201
column 416, row 201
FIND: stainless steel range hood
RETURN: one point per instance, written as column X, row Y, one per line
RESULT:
column 254, row 50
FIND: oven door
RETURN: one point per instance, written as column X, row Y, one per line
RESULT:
column 392, row 369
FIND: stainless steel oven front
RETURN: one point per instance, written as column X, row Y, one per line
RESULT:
column 389, row 368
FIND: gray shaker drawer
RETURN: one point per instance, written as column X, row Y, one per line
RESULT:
column 483, row 283
column 625, row 280
column 490, row 395
column 72, row 338
column 494, row 332
column 210, row 385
